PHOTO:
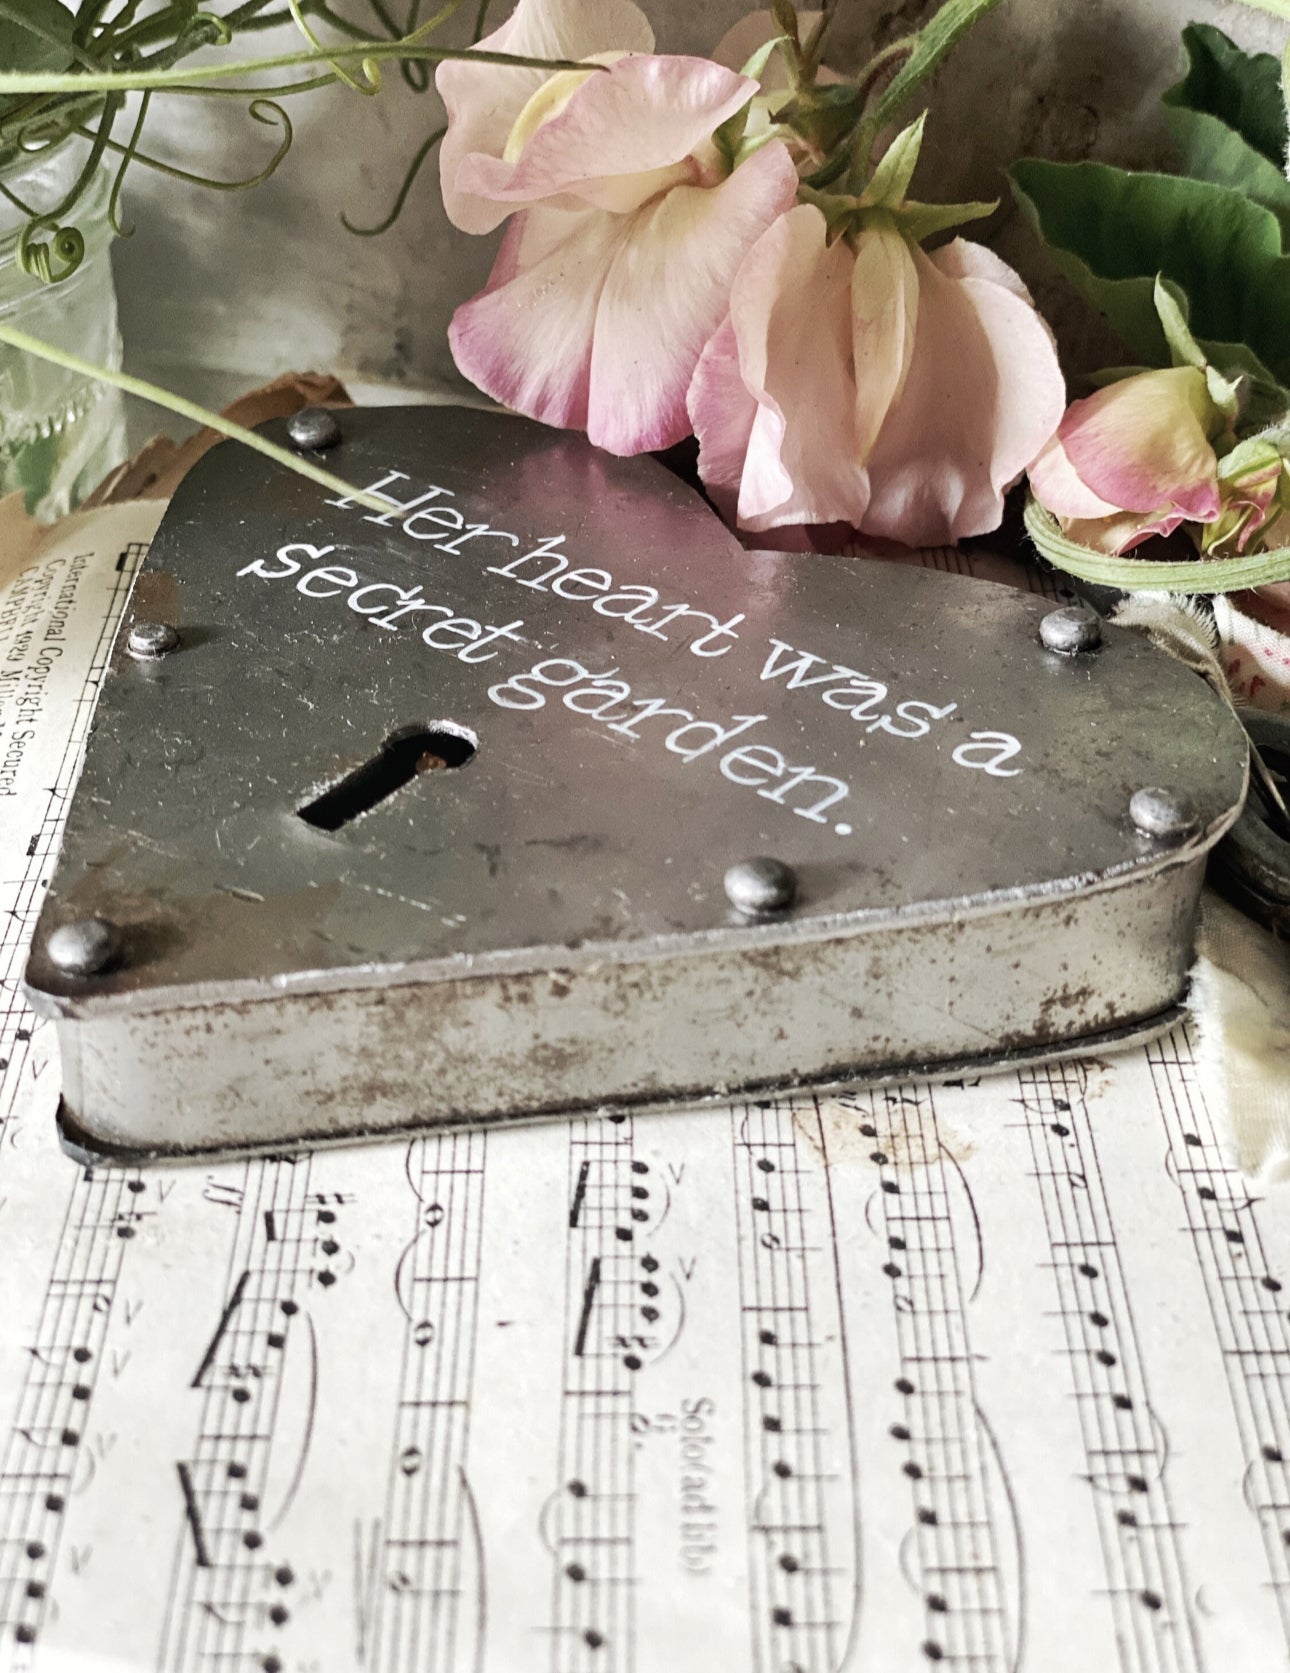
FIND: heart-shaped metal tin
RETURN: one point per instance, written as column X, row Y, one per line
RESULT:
column 447, row 813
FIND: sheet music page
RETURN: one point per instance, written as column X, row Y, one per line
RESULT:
column 989, row 1376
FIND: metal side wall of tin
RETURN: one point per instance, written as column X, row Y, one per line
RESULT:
column 535, row 792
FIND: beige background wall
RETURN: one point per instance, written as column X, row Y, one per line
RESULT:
column 221, row 291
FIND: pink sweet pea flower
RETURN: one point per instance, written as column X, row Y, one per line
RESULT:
column 1256, row 499
column 618, row 268
column 485, row 101
column 1135, row 459
column 864, row 381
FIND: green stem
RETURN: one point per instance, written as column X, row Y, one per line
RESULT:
column 933, row 41
column 158, row 29
column 260, row 112
column 266, row 90
column 33, row 81
column 385, row 20
column 436, row 22
column 29, row 111
column 128, row 154
column 320, row 9
column 245, row 14
column 88, row 13
column 414, row 168
column 122, row 19
column 265, row 20
column 27, row 344
column 883, row 59
column 369, row 85
column 1205, row 575
column 416, row 75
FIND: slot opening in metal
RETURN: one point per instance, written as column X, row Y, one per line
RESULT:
column 407, row 754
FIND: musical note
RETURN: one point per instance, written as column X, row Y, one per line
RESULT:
column 430, row 1544
column 801, row 1517
column 1146, row 1571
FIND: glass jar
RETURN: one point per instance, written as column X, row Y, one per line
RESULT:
column 60, row 432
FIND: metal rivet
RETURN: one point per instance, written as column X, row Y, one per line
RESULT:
column 1162, row 814
column 313, row 428
column 1072, row 629
column 761, row 885
column 85, row 948
column 150, row 640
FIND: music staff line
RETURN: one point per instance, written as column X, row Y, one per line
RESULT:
column 1221, row 1219
column 223, row 1589
column 794, row 1612
column 97, row 1226
column 1147, row 1584
column 973, row 1614
column 592, row 1532
column 427, row 1517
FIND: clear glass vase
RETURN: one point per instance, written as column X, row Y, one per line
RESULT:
column 60, row 432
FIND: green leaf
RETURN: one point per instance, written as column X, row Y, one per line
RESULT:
column 1107, row 375
column 1236, row 359
column 896, row 169
column 729, row 137
column 921, row 221
column 1285, row 84
column 757, row 61
column 36, row 36
column 1228, row 120
column 1210, row 150
column 1250, row 456
column 1262, row 400
column 1111, row 232
column 1171, row 311
column 1241, row 89
column 934, row 40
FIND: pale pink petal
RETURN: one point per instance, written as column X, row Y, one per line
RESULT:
column 1162, row 521
column 624, row 136
column 983, row 395
column 526, row 339
column 1122, row 532
column 484, row 100
column 1058, row 487
column 620, row 194
column 791, row 312
column 1142, row 443
column 961, row 258
column 721, row 413
column 884, row 319
column 1257, row 495
column 597, row 321
column 665, row 294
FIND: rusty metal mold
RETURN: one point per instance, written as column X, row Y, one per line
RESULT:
column 538, row 919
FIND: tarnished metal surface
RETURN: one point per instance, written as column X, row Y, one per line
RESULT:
column 537, row 917
column 1252, row 863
